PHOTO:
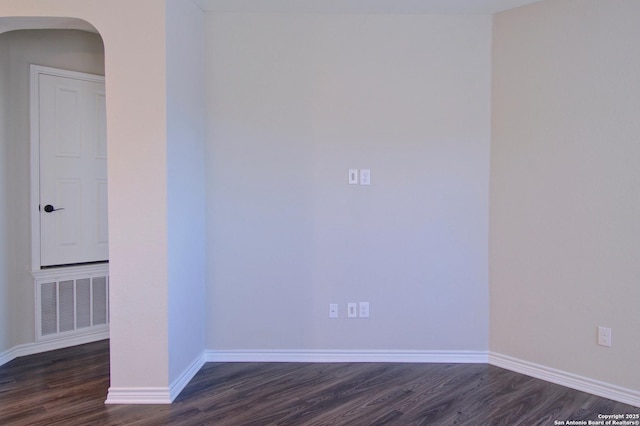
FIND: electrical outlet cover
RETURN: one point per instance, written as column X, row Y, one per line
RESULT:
column 364, row 309
column 604, row 336
column 365, row 177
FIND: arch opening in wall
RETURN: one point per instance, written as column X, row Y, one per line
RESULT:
column 23, row 274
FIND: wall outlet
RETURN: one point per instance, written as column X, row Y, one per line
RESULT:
column 604, row 336
column 352, row 310
column 333, row 310
column 364, row 309
column 365, row 177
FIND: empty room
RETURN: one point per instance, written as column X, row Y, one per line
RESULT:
column 319, row 212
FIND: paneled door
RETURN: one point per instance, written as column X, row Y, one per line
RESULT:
column 73, row 169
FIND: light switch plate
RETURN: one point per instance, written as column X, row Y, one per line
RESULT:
column 333, row 310
column 353, row 176
column 352, row 310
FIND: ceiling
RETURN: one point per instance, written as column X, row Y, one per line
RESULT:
column 466, row 7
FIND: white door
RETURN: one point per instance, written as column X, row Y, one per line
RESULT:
column 73, row 170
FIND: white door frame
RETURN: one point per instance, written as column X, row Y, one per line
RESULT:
column 36, row 71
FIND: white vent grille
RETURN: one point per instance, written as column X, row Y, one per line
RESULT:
column 48, row 307
column 71, row 304
column 83, row 303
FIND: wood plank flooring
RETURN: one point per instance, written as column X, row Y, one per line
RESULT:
column 69, row 386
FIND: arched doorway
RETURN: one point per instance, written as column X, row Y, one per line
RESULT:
column 154, row 105
column 58, row 42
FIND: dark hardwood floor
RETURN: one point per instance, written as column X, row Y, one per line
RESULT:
column 69, row 386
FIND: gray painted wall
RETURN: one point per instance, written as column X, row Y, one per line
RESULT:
column 565, row 239
column 185, row 185
column 294, row 101
column 66, row 49
column 5, row 198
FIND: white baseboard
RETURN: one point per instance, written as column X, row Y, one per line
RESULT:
column 469, row 357
column 156, row 395
column 53, row 344
column 161, row 395
column 563, row 378
column 183, row 379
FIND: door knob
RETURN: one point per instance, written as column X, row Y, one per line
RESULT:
column 49, row 208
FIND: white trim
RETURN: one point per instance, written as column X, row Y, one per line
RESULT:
column 467, row 357
column 564, row 378
column 160, row 395
column 53, row 344
column 8, row 355
column 71, row 272
column 183, row 379
column 34, row 111
column 157, row 395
